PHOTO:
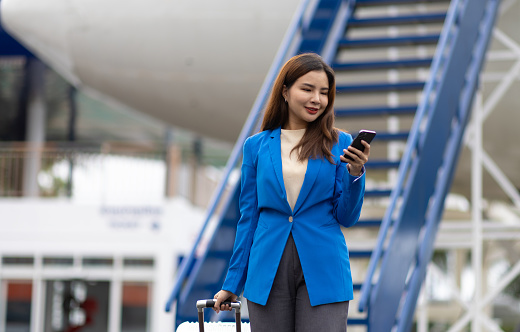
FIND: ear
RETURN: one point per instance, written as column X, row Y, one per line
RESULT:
column 284, row 92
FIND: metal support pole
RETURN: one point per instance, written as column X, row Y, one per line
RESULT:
column 476, row 198
column 116, row 296
column 36, row 113
column 71, row 136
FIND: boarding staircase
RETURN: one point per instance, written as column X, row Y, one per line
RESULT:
column 409, row 70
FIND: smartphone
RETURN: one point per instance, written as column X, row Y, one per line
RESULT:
column 364, row 135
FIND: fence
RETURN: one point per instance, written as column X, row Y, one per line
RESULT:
column 106, row 172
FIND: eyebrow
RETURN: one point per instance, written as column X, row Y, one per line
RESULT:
column 312, row 86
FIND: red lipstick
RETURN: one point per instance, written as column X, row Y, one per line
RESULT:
column 311, row 110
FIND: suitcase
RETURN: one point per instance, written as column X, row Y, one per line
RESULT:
column 202, row 326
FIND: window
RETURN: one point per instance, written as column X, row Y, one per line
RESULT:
column 18, row 261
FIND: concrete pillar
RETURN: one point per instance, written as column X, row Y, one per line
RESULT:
column 35, row 137
column 159, row 319
column 116, row 296
column 195, row 162
column 38, row 297
column 173, row 164
column 71, row 135
column 3, row 303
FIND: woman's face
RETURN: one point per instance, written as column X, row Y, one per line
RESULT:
column 307, row 99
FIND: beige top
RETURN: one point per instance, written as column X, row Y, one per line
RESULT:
column 293, row 170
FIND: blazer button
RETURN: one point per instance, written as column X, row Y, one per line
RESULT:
column 290, row 219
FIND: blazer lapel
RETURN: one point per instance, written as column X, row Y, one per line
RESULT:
column 275, row 150
column 313, row 168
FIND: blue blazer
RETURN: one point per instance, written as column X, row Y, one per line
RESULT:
column 329, row 196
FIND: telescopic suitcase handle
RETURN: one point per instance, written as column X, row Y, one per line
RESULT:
column 201, row 304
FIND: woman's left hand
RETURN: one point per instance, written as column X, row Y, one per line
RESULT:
column 359, row 159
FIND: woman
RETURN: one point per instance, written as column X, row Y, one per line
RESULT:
column 290, row 255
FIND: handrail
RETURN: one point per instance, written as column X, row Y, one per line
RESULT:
column 413, row 143
column 425, row 249
column 295, row 27
column 337, row 30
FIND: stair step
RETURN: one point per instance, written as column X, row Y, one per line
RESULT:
column 399, row 136
column 389, row 41
column 380, row 87
column 360, row 253
column 376, row 111
column 357, row 287
column 382, row 164
column 377, row 193
column 365, row 3
column 397, row 20
column 382, row 64
column 357, row 321
column 366, row 223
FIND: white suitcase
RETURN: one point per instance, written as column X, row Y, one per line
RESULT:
column 202, row 326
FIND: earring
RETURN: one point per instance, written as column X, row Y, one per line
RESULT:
column 285, row 100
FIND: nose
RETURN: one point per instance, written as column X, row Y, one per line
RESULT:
column 315, row 98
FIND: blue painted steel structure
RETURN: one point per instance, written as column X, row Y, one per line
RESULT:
column 424, row 178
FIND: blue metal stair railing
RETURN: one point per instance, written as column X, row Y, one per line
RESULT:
column 450, row 159
column 427, row 168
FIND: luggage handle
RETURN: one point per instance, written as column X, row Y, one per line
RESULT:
column 201, row 304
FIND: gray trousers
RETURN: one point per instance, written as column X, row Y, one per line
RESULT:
column 288, row 307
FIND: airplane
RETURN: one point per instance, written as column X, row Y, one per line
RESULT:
column 199, row 64
column 195, row 64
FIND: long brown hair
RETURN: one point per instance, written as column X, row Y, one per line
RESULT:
column 320, row 135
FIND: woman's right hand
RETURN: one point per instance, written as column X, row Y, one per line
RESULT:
column 222, row 296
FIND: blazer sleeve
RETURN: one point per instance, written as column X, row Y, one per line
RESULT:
column 246, row 227
column 349, row 191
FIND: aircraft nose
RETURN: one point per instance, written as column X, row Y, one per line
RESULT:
column 42, row 27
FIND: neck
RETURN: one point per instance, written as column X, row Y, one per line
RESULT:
column 293, row 126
